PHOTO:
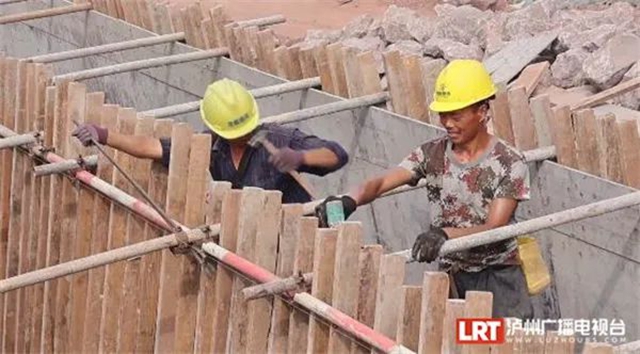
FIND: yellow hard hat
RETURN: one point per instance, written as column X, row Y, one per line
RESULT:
column 460, row 84
column 229, row 109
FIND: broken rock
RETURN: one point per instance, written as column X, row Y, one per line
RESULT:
column 359, row 27
column 450, row 50
column 407, row 47
column 464, row 24
column 479, row 4
column 528, row 22
column 631, row 99
column 566, row 70
column 395, row 23
column 606, row 67
column 325, row 35
column 571, row 37
column 373, row 44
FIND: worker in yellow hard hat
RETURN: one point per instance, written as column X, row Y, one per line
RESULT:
column 474, row 182
column 233, row 117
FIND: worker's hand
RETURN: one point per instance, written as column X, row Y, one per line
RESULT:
column 427, row 245
column 287, row 159
column 349, row 205
column 87, row 132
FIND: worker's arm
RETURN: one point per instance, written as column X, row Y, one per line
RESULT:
column 500, row 212
column 143, row 147
column 138, row 146
column 310, row 154
column 377, row 186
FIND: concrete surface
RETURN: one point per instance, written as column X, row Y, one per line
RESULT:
column 595, row 263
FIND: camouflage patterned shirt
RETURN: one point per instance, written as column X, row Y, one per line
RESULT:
column 459, row 194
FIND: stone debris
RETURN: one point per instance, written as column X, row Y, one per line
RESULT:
column 598, row 42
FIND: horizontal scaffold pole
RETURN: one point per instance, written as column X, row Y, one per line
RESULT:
column 33, row 15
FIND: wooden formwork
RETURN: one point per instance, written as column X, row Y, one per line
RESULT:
column 166, row 302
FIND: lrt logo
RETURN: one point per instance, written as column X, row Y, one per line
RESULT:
column 480, row 331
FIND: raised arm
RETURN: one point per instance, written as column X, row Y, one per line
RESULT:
column 138, row 146
column 377, row 186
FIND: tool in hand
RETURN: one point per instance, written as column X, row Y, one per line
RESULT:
column 260, row 138
column 197, row 253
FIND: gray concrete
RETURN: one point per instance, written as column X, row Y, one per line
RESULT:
column 595, row 262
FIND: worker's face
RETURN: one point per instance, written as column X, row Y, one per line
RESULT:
column 464, row 125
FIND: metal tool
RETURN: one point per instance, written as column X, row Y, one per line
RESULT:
column 261, row 138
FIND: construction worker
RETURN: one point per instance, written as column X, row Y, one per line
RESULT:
column 232, row 114
column 474, row 183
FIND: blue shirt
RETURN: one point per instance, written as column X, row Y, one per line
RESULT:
column 259, row 172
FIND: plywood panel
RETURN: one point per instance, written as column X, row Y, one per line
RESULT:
column 435, row 291
column 524, row 130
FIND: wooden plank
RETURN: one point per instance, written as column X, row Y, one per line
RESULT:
column 416, row 105
column 54, row 235
column 408, row 323
column 176, row 19
column 84, row 236
column 324, row 69
column 524, row 130
column 562, row 136
column 118, row 225
column 430, row 71
column 144, row 14
column 394, row 70
column 101, row 226
column 43, row 221
column 609, row 148
column 130, row 10
column 160, row 18
column 390, row 280
column 243, row 52
column 191, row 18
column 308, row 63
column 345, row 280
column 252, row 46
column 501, row 114
column 606, row 95
column 435, row 291
column 478, row 304
column 291, row 224
column 250, row 207
column 281, row 56
column 454, row 309
column 324, row 257
column 597, row 348
column 629, row 151
column 132, row 295
column 266, row 248
column 232, row 43
column 224, row 277
column 209, row 33
column 542, row 114
column 338, row 76
column 151, row 264
column 220, row 20
column 369, row 269
column 294, row 68
column 303, row 263
column 4, row 194
column 175, row 208
column 198, row 181
column 531, row 76
column 100, row 6
column 584, row 125
column 266, row 47
column 26, row 115
column 508, row 62
column 207, row 299
column 352, row 72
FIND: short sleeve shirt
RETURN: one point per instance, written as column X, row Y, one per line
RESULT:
column 459, row 194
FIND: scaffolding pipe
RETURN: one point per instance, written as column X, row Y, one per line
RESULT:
column 107, row 48
column 329, row 108
column 32, row 15
column 9, row 2
column 65, row 166
column 263, row 21
column 346, row 323
column 18, row 140
column 540, row 154
column 136, row 206
column 140, row 64
column 277, row 287
column 261, row 92
column 105, row 258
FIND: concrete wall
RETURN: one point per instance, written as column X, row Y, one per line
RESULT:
column 595, row 263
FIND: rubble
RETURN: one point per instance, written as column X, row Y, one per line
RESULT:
column 631, row 99
column 566, row 70
column 359, row 27
column 450, row 50
column 323, row 35
column 606, row 67
column 408, row 47
column 528, row 22
column 395, row 23
column 464, row 24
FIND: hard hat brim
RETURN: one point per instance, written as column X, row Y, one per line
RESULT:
column 443, row 107
column 251, row 124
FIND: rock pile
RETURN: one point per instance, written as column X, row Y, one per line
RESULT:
column 598, row 44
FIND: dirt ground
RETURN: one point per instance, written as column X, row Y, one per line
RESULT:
column 311, row 14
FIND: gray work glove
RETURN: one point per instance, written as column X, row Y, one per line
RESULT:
column 427, row 245
column 87, row 132
column 287, row 159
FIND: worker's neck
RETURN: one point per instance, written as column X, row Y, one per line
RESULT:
column 473, row 148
